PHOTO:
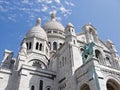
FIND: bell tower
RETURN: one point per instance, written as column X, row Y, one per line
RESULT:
column 34, row 49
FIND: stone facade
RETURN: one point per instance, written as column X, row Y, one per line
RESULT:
column 52, row 57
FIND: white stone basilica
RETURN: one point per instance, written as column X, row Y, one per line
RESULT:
column 52, row 57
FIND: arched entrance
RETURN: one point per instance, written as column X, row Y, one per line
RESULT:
column 112, row 85
column 85, row 87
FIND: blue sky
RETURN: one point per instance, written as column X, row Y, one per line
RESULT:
column 18, row 16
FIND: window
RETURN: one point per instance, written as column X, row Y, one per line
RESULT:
column 74, row 41
column 60, row 44
column 37, row 45
column 41, row 85
column 27, row 45
column 98, row 54
column 54, row 31
column 112, row 85
column 32, row 87
column 108, row 61
column 54, row 45
column 49, row 32
column 37, row 64
column 30, row 45
column 40, row 47
column 50, row 45
column 48, row 88
column 85, row 87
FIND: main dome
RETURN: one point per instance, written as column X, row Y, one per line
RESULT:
column 53, row 24
column 37, row 31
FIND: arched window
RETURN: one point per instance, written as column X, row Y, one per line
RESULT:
column 32, row 87
column 40, row 47
column 48, row 88
column 37, row 64
column 108, row 61
column 85, row 87
column 41, row 85
column 54, row 45
column 60, row 44
column 30, row 45
column 37, row 45
column 98, row 55
column 112, row 85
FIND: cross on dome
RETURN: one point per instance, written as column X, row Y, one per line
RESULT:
column 38, row 21
column 53, row 16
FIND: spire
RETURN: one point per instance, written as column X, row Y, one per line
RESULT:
column 53, row 16
column 38, row 22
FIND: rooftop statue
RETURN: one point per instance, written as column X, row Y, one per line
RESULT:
column 88, row 52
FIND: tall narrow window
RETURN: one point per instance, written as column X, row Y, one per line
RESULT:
column 37, row 45
column 30, row 45
column 41, row 85
column 27, row 45
column 32, row 87
column 50, row 45
column 40, row 47
column 54, row 45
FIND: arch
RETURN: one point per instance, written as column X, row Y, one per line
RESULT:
column 38, row 63
column 85, row 87
column 37, row 45
column 98, row 55
column 54, row 45
column 48, row 88
column 112, row 85
column 32, row 87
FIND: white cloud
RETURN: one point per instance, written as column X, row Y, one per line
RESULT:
column 32, row 9
column 58, row 1
column 49, row 1
column 25, row 1
column 69, row 3
column 44, row 8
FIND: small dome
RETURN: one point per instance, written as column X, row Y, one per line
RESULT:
column 70, row 25
column 37, row 31
column 53, row 24
column 109, row 41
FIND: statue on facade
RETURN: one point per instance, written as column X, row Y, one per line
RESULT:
column 88, row 52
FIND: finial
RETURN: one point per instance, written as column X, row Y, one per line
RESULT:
column 53, row 16
column 89, row 23
column 70, row 25
column 38, row 21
